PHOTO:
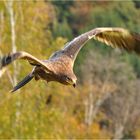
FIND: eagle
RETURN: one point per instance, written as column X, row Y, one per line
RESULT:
column 59, row 66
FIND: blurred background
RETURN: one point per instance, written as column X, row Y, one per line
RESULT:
column 106, row 102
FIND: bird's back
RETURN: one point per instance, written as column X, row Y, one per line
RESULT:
column 61, row 64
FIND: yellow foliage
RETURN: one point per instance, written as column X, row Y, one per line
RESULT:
column 26, row 114
column 137, row 134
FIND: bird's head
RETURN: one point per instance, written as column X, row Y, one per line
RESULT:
column 71, row 80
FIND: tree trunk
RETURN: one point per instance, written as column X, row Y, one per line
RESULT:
column 10, row 9
column 2, row 71
column 9, row 5
column 118, row 132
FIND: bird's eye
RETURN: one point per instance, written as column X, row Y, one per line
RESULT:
column 68, row 78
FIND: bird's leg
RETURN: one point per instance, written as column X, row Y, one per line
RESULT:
column 37, row 77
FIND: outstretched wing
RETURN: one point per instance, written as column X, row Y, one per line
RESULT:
column 26, row 56
column 114, row 37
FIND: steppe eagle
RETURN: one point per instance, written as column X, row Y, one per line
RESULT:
column 59, row 67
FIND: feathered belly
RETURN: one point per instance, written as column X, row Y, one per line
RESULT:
column 42, row 74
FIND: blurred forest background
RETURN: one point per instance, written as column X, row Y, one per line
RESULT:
column 106, row 102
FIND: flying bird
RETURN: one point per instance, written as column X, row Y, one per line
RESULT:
column 59, row 67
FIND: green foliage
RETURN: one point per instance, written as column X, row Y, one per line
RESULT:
column 137, row 3
column 63, row 7
column 135, row 62
column 62, row 29
column 113, row 14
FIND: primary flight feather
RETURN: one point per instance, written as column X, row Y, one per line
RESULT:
column 59, row 67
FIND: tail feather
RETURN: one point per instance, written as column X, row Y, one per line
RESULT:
column 27, row 79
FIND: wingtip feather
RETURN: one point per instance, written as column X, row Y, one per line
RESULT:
column 13, row 90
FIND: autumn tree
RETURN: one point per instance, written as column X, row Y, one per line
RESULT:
column 112, row 87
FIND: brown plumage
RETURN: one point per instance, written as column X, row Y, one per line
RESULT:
column 59, row 67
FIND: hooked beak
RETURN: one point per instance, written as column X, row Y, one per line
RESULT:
column 74, row 85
